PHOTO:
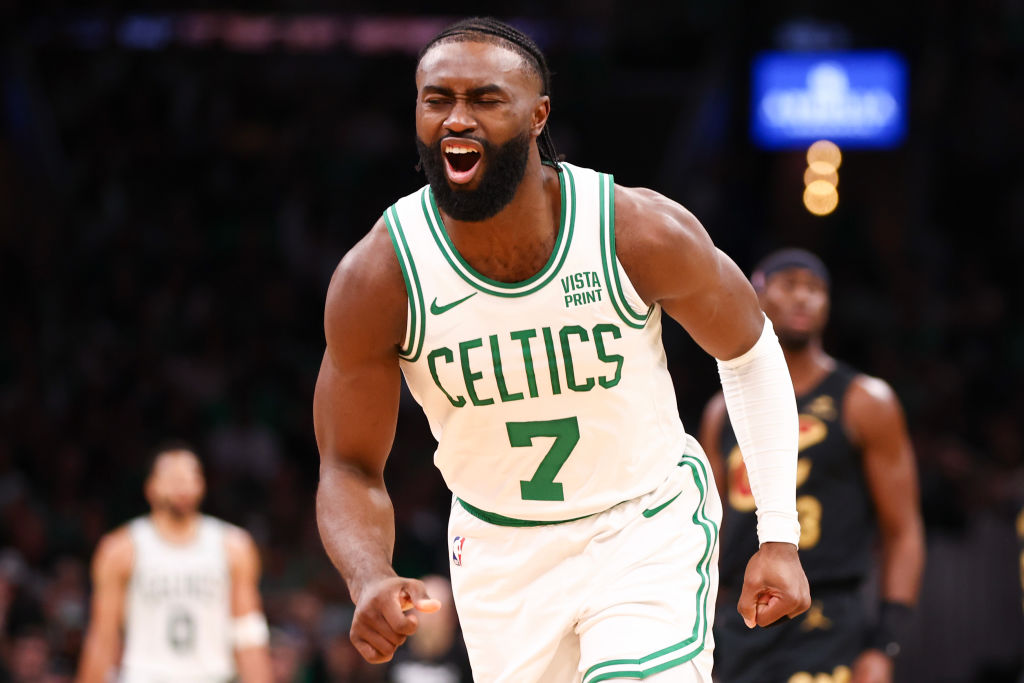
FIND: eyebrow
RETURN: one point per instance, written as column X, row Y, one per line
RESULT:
column 490, row 89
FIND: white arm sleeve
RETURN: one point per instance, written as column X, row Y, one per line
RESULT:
column 762, row 408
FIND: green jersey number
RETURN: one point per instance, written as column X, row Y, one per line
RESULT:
column 566, row 433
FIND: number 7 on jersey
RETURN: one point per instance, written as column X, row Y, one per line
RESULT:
column 566, row 433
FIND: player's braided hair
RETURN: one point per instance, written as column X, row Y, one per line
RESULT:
column 491, row 30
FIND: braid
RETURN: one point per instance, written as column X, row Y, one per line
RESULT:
column 490, row 30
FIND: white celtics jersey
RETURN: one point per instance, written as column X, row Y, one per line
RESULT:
column 549, row 398
column 178, row 615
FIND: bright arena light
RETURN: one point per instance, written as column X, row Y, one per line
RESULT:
column 820, row 170
column 825, row 151
column 821, row 197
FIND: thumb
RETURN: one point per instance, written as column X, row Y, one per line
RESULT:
column 414, row 596
column 747, row 605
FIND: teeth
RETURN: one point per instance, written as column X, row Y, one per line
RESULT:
column 460, row 150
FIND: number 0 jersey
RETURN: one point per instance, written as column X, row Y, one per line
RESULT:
column 177, row 612
column 549, row 398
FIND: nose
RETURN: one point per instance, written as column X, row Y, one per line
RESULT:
column 460, row 118
column 801, row 296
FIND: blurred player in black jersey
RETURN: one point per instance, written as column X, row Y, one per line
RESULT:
column 856, row 474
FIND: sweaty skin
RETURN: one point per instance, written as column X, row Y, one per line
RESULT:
column 484, row 90
column 797, row 301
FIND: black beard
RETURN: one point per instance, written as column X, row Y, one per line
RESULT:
column 505, row 168
column 793, row 341
column 176, row 512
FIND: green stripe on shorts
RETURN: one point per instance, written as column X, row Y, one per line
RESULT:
column 683, row 651
column 502, row 520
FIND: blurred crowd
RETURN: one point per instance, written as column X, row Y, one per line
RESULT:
column 170, row 221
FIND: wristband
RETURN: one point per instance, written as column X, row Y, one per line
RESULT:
column 250, row 630
column 890, row 629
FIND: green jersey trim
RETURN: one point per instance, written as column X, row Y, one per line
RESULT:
column 501, row 520
column 606, row 185
column 413, row 342
column 683, row 651
column 485, row 284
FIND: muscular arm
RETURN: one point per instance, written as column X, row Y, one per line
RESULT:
column 253, row 662
column 874, row 420
column 876, row 424
column 671, row 261
column 355, row 411
column 111, row 571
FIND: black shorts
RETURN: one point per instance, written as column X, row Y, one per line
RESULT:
column 822, row 640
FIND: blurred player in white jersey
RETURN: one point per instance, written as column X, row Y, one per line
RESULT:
column 175, row 592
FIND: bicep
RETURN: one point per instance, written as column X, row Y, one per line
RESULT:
column 718, row 307
column 879, row 427
column 245, row 575
column 355, row 403
column 355, row 411
column 110, row 574
column 672, row 261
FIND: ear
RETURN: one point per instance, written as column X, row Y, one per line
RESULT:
column 539, row 118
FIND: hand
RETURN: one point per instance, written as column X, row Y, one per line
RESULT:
column 873, row 666
column 774, row 586
column 380, row 623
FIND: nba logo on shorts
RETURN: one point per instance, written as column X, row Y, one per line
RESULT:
column 457, row 543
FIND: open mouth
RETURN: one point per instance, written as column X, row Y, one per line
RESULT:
column 461, row 160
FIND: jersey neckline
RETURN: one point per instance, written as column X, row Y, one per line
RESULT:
column 567, row 186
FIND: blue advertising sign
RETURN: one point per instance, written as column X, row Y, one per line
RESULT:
column 855, row 99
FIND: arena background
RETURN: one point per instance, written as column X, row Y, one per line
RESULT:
column 177, row 186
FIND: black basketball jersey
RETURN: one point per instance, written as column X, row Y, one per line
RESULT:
column 832, row 500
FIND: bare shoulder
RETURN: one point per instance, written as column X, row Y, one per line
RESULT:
column 239, row 545
column 656, row 240
column 367, row 292
column 872, row 410
column 646, row 220
column 115, row 555
column 871, row 394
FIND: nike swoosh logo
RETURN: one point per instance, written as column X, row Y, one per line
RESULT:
column 650, row 512
column 438, row 310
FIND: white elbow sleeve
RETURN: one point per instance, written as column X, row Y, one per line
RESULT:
column 250, row 630
column 762, row 408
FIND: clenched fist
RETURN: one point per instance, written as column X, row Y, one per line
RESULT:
column 386, row 615
column 774, row 586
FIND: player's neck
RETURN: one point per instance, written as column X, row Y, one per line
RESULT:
column 530, row 219
column 174, row 529
column 808, row 365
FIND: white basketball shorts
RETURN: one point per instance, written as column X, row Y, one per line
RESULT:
column 628, row 593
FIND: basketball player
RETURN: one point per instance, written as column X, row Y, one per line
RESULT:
column 856, row 472
column 521, row 297
column 179, row 589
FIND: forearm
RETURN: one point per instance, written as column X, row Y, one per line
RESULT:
column 759, row 396
column 99, row 659
column 903, row 556
column 253, row 664
column 357, row 525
